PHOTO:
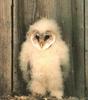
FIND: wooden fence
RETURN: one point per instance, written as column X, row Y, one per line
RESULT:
column 15, row 18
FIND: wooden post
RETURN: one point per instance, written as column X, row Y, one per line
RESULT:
column 5, row 47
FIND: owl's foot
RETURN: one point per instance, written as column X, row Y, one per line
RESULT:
column 38, row 96
column 37, row 88
column 57, row 94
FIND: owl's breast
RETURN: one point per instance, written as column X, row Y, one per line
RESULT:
column 44, row 59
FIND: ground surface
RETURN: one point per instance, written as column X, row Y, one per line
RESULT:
column 35, row 98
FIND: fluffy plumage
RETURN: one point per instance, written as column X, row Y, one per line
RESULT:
column 45, row 63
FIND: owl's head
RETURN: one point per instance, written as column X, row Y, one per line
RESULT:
column 43, row 33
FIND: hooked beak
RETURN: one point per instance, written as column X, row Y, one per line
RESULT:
column 41, row 42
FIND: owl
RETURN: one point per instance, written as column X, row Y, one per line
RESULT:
column 45, row 51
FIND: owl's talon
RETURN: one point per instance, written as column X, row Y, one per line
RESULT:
column 36, row 95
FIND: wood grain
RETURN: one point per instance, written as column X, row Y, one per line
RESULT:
column 5, row 47
column 46, row 8
column 78, row 46
column 86, row 45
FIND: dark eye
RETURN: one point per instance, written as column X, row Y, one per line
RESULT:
column 37, row 37
column 46, row 37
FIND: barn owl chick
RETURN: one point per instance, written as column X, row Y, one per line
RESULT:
column 46, row 52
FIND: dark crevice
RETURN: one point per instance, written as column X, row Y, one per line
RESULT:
column 12, row 27
column 73, row 8
column 84, row 48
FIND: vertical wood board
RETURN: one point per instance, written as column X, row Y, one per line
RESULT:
column 78, row 45
column 46, row 8
column 86, row 45
column 5, row 47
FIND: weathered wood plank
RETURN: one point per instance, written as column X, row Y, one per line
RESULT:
column 86, row 25
column 15, row 48
column 46, row 8
column 78, row 45
column 86, row 44
column 65, row 20
column 5, row 47
column 86, row 71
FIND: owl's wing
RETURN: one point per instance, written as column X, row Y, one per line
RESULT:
column 24, row 60
column 64, row 58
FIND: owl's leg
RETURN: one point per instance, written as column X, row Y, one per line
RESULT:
column 55, row 86
column 37, row 88
column 57, row 94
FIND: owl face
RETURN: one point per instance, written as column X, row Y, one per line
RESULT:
column 42, row 40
